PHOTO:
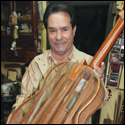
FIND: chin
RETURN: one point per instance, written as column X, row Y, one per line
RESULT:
column 60, row 52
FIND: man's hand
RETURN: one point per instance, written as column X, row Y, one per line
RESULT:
column 100, row 71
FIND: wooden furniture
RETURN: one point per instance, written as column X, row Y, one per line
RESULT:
column 26, row 35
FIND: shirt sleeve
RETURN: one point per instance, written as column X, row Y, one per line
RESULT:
column 106, row 96
column 30, row 83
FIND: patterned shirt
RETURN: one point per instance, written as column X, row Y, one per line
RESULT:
column 38, row 68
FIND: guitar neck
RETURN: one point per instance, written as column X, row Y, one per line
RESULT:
column 107, row 44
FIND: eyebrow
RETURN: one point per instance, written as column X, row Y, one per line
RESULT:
column 50, row 27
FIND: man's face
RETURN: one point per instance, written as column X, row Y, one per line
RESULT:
column 60, row 33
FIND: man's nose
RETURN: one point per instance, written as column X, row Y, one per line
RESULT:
column 59, row 35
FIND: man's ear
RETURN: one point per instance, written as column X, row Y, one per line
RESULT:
column 74, row 30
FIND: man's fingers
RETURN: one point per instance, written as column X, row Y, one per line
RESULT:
column 103, row 65
column 100, row 71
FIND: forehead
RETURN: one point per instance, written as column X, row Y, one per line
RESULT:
column 58, row 19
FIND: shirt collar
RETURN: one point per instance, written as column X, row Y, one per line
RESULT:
column 51, row 59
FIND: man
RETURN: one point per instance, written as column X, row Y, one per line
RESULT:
column 59, row 21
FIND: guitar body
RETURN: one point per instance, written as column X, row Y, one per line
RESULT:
column 68, row 98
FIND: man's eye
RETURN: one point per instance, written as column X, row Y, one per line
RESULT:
column 52, row 31
column 65, row 29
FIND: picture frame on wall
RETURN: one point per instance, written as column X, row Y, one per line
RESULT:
column 113, row 78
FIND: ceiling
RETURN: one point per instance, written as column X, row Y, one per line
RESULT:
column 85, row 3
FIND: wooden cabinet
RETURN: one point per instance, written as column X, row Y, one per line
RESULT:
column 23, row 34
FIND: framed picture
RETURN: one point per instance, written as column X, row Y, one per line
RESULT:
column 116, row 48
column 113, row 78
column 114, row 58
column 121, row 40
column 121, row 56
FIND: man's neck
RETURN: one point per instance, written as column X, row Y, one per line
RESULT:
column 61, row 57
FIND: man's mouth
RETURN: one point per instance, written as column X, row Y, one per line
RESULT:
column 58, row 43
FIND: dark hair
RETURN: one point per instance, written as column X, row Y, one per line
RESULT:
column 59, row 7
